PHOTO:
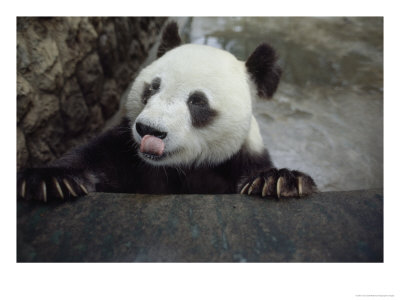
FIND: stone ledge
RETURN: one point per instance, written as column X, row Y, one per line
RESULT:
column 326, row 227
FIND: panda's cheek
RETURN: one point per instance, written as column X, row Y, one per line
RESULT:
column 178, row 137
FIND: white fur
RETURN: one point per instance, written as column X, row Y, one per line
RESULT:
column 254, row 140
column 225, row 82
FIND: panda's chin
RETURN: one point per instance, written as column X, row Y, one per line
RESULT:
column 153, row 157
column 168, row 158
column 156, row 160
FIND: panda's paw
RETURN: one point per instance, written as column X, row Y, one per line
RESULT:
column 281, row 183
column 47, row 184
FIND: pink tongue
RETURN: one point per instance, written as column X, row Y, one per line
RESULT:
column 152, row 145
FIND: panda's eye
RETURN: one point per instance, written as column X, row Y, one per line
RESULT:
column 200, row 111
column 150, row 89
column 198, row 99
column 155, row 84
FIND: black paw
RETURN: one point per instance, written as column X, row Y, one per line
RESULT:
column 279, row 183
column 44, row 184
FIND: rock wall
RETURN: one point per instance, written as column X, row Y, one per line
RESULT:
column 71, row 73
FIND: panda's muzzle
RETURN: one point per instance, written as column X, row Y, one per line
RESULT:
column 152, row 144
column 143, row 130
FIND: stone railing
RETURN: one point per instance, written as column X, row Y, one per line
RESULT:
column 326, row 227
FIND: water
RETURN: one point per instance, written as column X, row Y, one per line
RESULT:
column 327, row 116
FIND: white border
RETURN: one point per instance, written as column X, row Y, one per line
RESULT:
column 198, row 281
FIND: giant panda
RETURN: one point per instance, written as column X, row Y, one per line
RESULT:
column 188, row 129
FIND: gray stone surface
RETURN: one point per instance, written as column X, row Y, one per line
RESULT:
column 326, row 227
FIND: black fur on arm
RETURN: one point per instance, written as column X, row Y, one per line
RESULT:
column 260, row 177
column 101, row 165
column 247, row 165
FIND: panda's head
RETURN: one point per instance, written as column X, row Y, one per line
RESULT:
column 193, row 105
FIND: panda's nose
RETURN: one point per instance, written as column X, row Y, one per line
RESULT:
column 144, row 129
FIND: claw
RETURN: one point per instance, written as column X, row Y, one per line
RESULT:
column 84, row 189
column 44, row 191
column 23, row 189
column 300, row 185
column 69, row 187
column 254, row 184
column 279, row 186
column 58, row 187
column 244, row 189
column 266, row 191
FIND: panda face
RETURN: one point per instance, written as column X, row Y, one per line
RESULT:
column 191, row 106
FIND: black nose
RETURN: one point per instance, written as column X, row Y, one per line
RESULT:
column 144, row 129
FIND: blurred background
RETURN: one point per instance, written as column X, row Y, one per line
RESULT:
column 326, row 118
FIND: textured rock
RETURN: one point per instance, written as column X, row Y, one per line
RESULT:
column 90, row 77
column 44, row 106
column 73, row 107
column 71, row 73
column 110, row 98
column 332, row 226
column 22, row 155
column 24, row 97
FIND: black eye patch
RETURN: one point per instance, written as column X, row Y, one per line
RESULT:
column 150, row 89
column 200, row 111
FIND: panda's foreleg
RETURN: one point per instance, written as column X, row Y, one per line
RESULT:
column 53, row 183
column 279, row 184
column 96, row 166
column 71, row 176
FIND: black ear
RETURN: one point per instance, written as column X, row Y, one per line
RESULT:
column 170, row 39
column 264, row 70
